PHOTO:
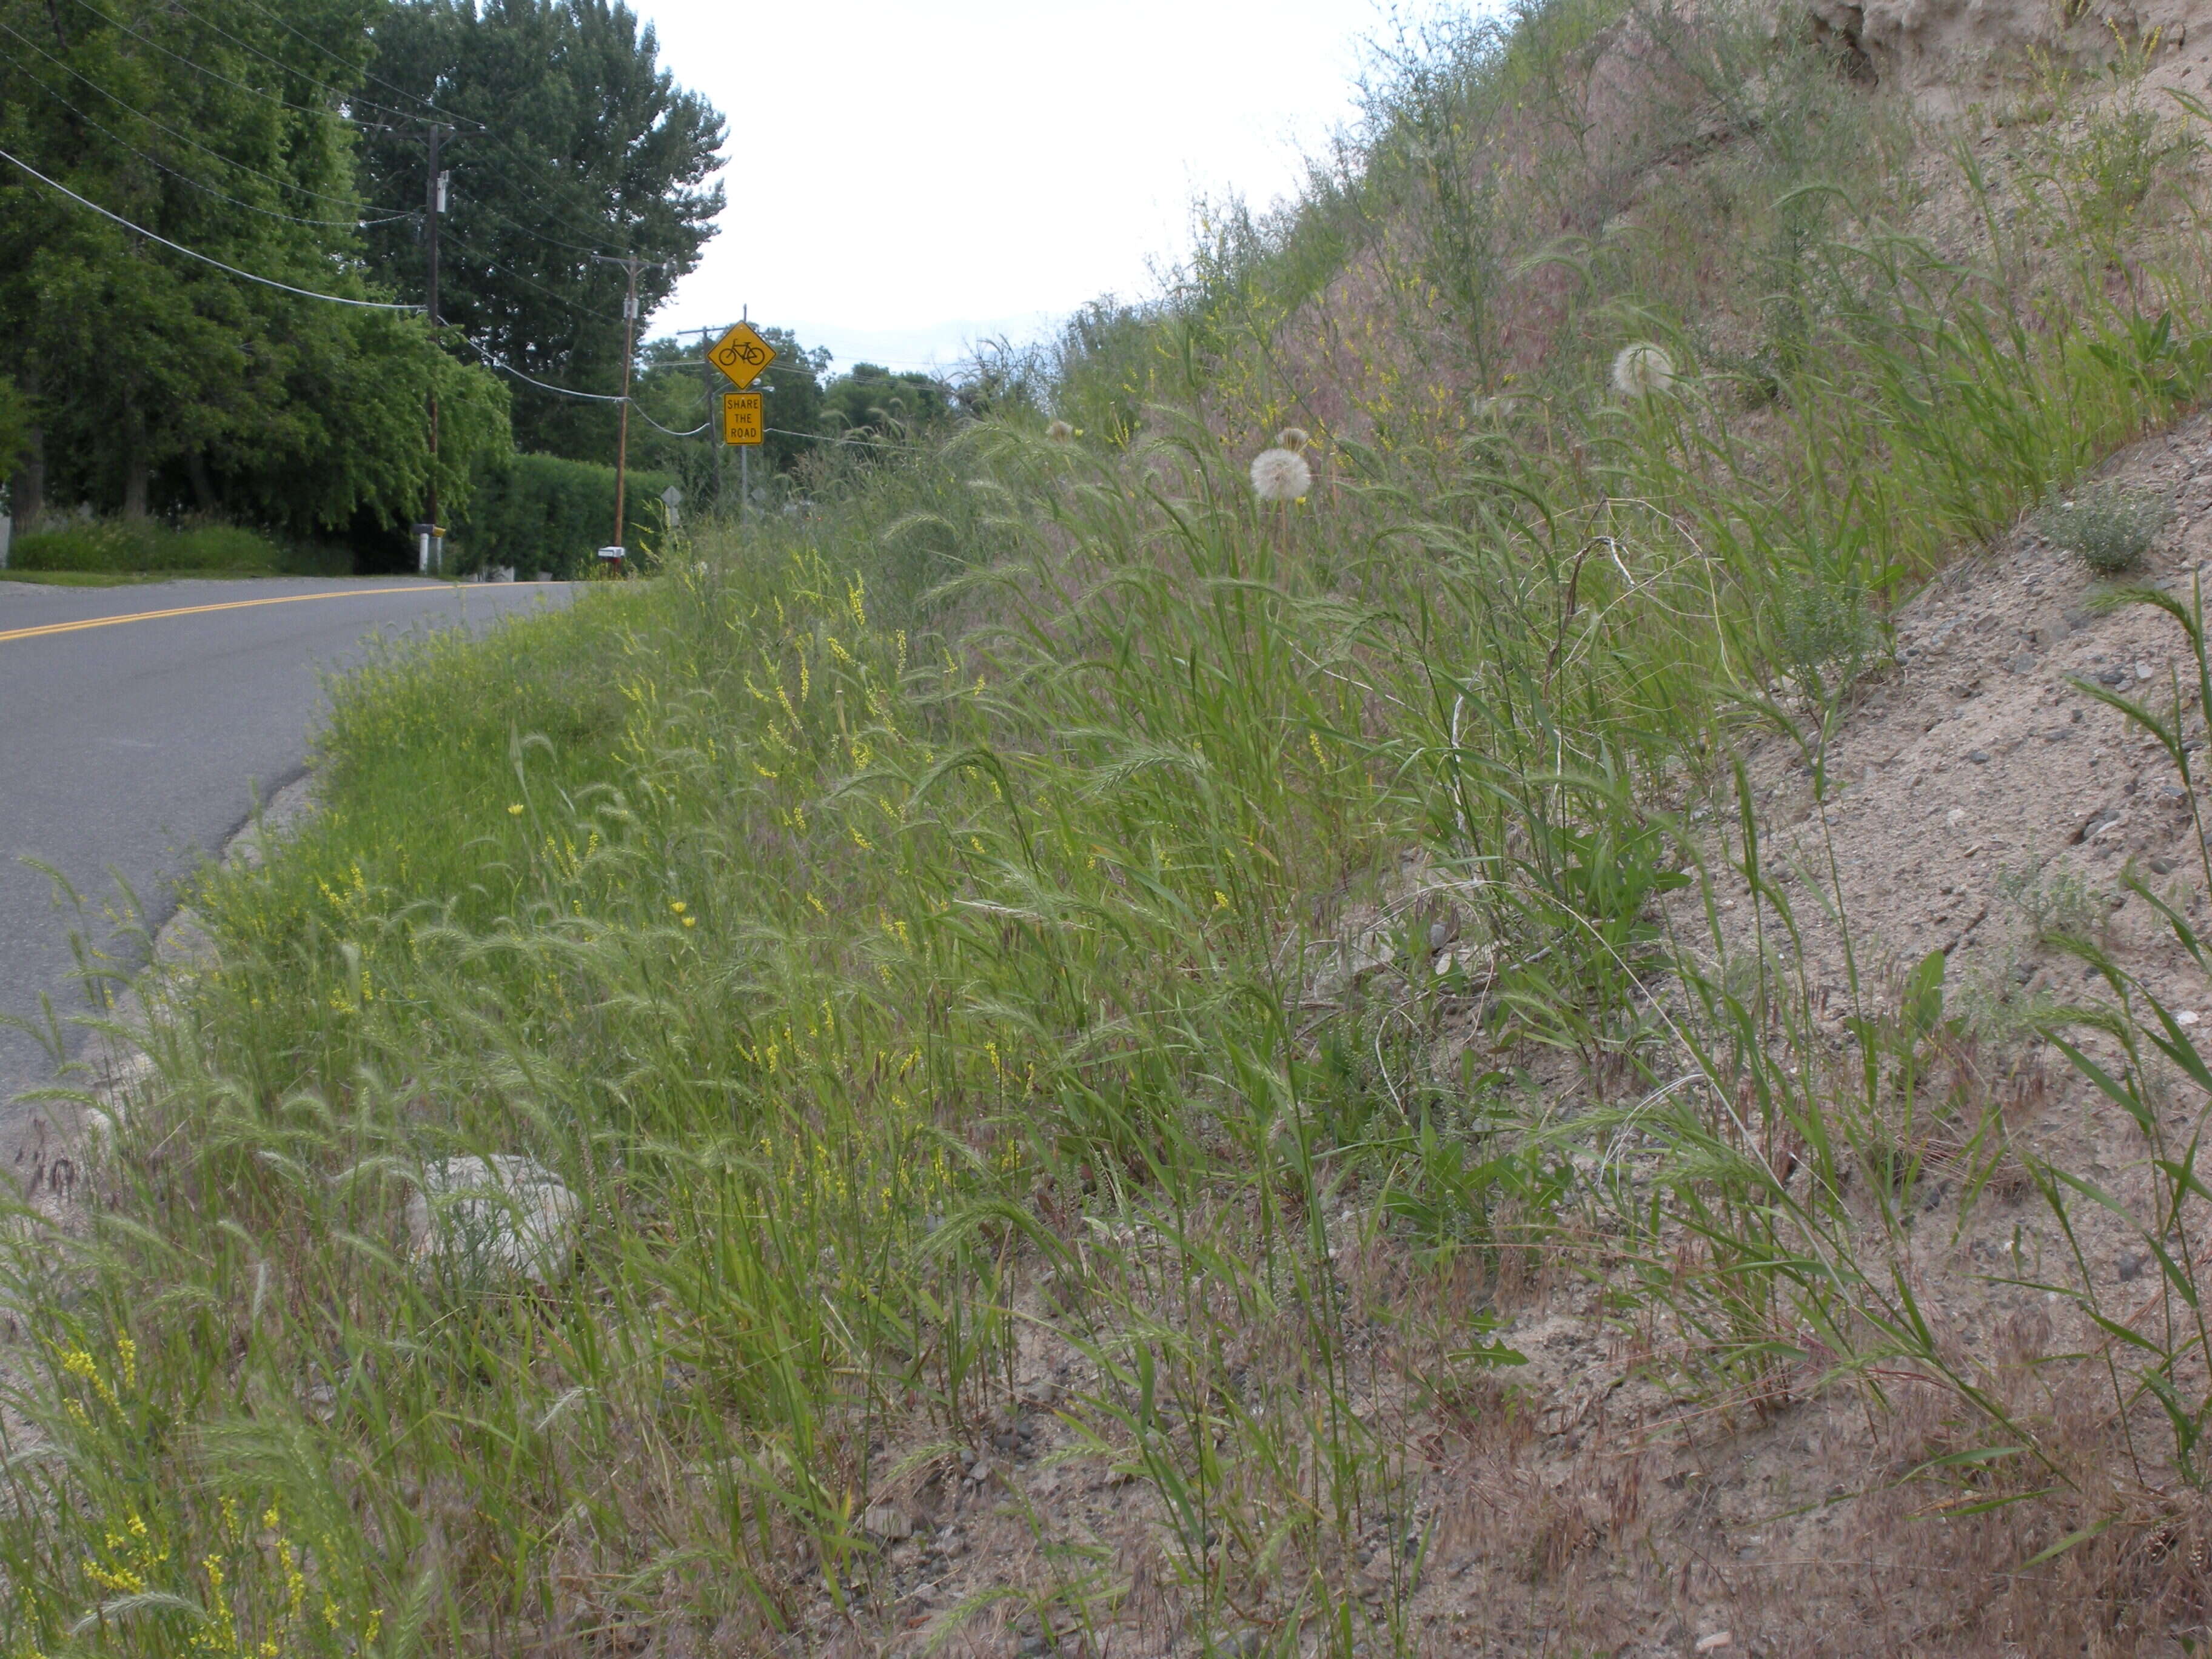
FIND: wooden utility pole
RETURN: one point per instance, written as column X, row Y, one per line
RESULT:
column 714, row 415
column 629, row 354
column 434, row 206
column 631, row 263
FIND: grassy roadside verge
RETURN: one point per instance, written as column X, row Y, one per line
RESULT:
column 122, row 550
column 86, row 577
column 137, row 578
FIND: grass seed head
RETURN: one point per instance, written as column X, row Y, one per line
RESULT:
column 1060, row 432
column 1293, row 438
column 1280, row 475
column 1641, row 369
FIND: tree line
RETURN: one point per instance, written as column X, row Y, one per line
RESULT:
column 212, row 245
column 213, row 266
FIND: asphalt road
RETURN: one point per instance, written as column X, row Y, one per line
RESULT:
column 133, row 743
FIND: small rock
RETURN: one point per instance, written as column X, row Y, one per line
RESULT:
column 2143, row 671
column 504, row 1215
column 2096, row 823
column 980, row 1471
column 887, row 1521
column 2113, row 677
column 2186, row 1016
column 1979, row 756
column 2132, row 1269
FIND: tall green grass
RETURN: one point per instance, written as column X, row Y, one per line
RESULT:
column 119, row 546
column 975, row 947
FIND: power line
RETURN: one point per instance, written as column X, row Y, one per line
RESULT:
column 481, row 128
column 657, row 426
column 194, row 253
column 214, row 74
column 293, row 68
column 417, row 97
column 182, row 137
column 355, row 224
column 490, row 263
column 528, row 182
column 491, row 362
column 494, row 213
column 478, row 129
column 824, row 438
column 604, row 397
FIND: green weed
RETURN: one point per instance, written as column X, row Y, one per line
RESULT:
column 2109, row 527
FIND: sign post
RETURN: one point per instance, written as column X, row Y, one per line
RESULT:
column 741, row 353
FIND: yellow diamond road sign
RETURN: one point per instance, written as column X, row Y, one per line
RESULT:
column 742, row 419
column 741, row 353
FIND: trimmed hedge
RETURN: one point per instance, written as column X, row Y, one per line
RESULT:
column 541, row 513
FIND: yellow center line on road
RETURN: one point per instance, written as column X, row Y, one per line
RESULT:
column 228, row 605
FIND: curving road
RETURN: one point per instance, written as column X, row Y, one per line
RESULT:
column 139, row 724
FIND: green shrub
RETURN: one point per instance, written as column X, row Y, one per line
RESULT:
column 2109, row 525
column 542, row 513
column 122, row 545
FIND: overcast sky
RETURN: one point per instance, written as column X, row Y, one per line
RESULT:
column 907, row 177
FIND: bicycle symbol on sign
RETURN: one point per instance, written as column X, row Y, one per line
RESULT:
column 741, row 354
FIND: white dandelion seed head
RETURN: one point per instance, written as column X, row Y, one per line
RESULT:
column 1641, row 369
column 1293, row 438
column 1060, row 432
column 1280, row 475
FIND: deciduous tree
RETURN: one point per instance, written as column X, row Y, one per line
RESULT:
column 569, row 140
column 156, row 379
